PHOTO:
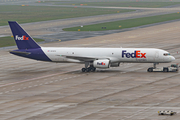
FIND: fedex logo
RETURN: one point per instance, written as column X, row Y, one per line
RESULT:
column 101, row 63
column 21, row 38
column 135, row 54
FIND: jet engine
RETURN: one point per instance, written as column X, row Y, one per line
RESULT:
column 101, row 63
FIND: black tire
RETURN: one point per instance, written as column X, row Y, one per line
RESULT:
column 83, row 69
column 93, row 69
column 165, row 70
column 150, row 70
column 171, row 114
column 88, row 69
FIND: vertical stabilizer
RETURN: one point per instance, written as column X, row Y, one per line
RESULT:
column 23, row 40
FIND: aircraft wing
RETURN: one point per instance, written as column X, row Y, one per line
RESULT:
column 80, row 58
column 89, row 58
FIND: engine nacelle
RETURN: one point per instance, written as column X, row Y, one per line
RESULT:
column 115, row 64
column 101, row 63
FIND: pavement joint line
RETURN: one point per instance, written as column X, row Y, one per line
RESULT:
column 35, row 85
column 123, row 72
column 142, row 107
column 156, row 91
column 33, row 79
column 136, row 87
column 136, row 113
column 96, row 111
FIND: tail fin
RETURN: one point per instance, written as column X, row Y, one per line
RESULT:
column 23, row 40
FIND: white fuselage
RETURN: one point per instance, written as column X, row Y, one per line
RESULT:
column 92, row 57
column 134, row 55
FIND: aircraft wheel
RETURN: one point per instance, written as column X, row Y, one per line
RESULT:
column 165, row 70
column 93, row 69
column 83, row 69
column 150, row 70
column 88, row 69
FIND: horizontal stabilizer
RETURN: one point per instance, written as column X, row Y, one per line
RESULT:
column 19, row 52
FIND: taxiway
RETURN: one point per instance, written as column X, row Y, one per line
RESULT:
column 40, row 90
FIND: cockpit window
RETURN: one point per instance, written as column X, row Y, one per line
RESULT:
column 166, row 54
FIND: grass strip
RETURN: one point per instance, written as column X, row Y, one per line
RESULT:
column 116, row 4
column 125, row 23
column 9, row 41
column 26, row 14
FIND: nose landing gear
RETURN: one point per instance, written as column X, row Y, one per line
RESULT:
column 151, row 69
column 172, row 68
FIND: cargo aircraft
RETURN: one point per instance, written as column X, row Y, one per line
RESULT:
column 92, row 57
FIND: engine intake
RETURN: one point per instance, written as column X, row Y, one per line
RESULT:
column 101, row 63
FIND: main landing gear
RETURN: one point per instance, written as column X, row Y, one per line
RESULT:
column 91, row 68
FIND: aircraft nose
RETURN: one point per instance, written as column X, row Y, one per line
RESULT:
column 172, row 58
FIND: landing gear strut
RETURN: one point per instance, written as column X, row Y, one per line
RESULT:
column 154, row 64
column 91, row 68
column 151, row 68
